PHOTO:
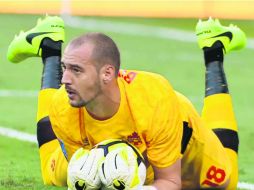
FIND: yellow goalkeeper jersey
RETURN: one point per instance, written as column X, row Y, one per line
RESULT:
column 148, row 117
column 151, row 117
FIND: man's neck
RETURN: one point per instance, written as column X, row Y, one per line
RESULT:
column 106, row 104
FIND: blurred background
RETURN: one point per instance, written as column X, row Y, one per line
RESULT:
column 239, row 9
column 152, row 35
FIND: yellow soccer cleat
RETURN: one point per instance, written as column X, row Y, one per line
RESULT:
column 210, row 31
column 27, row 44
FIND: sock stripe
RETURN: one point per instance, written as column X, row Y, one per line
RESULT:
column 229, row 138
column 45, row 132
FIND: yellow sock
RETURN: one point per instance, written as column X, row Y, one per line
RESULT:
column 218, row 112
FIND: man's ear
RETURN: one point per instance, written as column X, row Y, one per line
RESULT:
column 107, row 73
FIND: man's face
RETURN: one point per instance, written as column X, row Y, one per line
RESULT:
column 81, row 79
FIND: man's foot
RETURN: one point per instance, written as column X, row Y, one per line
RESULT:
column 28, row 44
column 211, row 31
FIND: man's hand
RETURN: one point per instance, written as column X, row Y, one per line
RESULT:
column 83, row 170
column 121, row 170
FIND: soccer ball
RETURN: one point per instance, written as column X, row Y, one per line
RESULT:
column 123, row 165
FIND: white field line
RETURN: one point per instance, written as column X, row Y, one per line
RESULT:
column 5, row 131
column 244, row 185
column 136, row 29
column 18, row 93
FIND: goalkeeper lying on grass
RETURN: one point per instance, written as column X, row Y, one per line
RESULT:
column 97, row 101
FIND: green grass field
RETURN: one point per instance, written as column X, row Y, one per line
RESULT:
column 180, row 62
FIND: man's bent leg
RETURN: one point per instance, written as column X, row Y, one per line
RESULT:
column 218, row 111
column 53, row 162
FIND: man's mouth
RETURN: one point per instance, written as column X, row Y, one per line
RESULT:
column 71, row 93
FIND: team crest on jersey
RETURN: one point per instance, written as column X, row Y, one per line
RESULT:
column 134, row 138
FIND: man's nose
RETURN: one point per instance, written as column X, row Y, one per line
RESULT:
column 66, row 79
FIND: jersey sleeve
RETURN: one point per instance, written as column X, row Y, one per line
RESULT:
column 165, row 133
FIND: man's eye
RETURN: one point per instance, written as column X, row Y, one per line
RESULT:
column 76, row 70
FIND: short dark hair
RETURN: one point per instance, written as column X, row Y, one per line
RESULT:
column 105, row 49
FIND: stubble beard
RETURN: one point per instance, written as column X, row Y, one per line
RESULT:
column 79, row 104
column 83, row 103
